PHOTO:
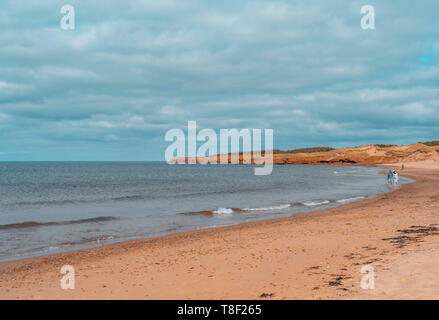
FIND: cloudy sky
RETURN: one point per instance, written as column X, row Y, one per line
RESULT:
column 131, row 70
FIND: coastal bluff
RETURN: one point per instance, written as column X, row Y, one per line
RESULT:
column 363, row 155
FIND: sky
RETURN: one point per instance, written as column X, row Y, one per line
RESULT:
column 110, row 89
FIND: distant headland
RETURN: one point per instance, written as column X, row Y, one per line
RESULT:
column 362, row 155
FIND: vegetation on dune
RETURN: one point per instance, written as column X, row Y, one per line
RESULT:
column 304, row 150
column 411, row 150
column 385, row 145
column 389, row 150
column 294, row 151
column 431, row 143
column 398, row 153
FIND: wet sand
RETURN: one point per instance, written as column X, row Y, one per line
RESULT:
column 316, row 255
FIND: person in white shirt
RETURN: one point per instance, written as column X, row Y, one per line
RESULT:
column 395, row 178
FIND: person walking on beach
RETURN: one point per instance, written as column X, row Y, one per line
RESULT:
column 395, row 178
column 390, row 178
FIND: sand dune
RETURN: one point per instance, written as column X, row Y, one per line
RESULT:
column 364, row 155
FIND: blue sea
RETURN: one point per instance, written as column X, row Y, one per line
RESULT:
column 48, row 207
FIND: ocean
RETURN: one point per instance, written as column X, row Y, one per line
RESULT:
column 49, row 207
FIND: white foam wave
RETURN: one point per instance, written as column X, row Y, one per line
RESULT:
column 223, row 211
column 315, row 203
column 51, row 248
column 283, row 206
column 348, row 200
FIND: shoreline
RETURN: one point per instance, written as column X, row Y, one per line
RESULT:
column 306, row 208
column 310, row 210
column 156, row 268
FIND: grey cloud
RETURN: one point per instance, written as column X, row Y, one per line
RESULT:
column 131, row 71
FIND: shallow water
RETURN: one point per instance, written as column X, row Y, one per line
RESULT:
column 47, row 207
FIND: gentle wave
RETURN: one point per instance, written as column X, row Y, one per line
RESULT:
column 221, row 211
column 228, row 211
column 47, row 202
column 128, row 198
column 281, row 207
column 77, row 201
column 348, row 200
column 85, row 241
column 100, row 239
column 325, row 202
column 315, row 203
column 137, row 197
column 29, row 224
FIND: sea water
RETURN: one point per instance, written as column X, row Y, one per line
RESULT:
column 48, row 207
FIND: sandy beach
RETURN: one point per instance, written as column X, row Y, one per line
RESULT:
column 317, row 255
